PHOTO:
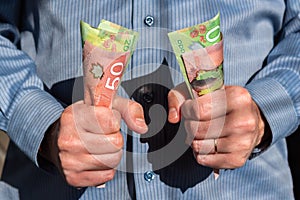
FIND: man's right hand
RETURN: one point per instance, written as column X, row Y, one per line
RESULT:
column 88, row 140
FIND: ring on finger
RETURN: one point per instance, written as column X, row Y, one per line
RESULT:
column 216, row 145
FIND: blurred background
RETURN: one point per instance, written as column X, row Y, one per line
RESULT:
column 3, row 147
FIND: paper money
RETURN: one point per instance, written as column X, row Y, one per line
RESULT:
column 106, row 53
column 199, row 52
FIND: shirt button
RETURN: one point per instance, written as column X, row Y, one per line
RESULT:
column 148, row 97
column 149, row 176
column 149, row 20
column 145, row 94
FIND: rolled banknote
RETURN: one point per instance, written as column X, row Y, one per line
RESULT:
column 199, row 52
column 106, row 52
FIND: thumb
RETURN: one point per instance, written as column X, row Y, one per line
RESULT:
column 176, row 97
column 132, row 113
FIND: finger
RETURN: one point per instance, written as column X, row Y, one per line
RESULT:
column 204, row 147
column 92, row 119
column 78, row 142
column 206, row 129
column 102, row 144
column 108, row 120
column 222, row 160
column 176, row 97
column 206, row 107
column 110, row 160
column 87, row 162
column 89, row 178
column 242, row 144
column 240, row 122
column 132, row 113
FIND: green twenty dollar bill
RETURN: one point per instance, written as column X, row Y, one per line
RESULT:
column 199, row 52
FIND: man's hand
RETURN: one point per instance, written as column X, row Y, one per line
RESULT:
column 227, row 118
column 89, row 143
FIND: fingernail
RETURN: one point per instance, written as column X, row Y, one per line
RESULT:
column 173, row 113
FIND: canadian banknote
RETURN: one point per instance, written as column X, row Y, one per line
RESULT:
column 106, row 53
column 199, row 52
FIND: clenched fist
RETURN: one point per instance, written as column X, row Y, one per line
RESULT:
column 88, row 140
column 223, row 127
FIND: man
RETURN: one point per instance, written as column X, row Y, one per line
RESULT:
column 241, row 127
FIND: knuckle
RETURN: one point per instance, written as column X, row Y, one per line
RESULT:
column 67, row 142
column 245, row 144
column 104, row 116
column 72, row 179
column 195, row 146
column 191, row 109
column 202, row 129
column 201, row 160
column 248, row 124
column 251, row 124
column 67, row 111
column 191, row 128
column 242, row 161
column 68, row 164
column 243, row 97
column 65, row 163
column 203, row 110
column 118, row 141
column 117, row 158
column 238, row 162
column 109, row 175
column 63, row 142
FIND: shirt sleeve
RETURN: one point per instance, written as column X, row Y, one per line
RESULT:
column 26, row 110
column 276, row 88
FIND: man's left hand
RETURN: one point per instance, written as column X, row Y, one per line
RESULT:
column 223, row 126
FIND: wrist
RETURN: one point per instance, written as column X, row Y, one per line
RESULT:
column 48, row 150
column 265, row 142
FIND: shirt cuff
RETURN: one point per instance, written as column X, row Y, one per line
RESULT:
column 276, row 105
column 35, row 112
column 8, row 192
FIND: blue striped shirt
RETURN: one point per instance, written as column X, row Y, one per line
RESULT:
column 40, row 44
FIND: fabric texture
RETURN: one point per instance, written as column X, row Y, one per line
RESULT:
column 7, row 192
column 40, row 46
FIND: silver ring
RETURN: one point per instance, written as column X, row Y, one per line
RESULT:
column 216, row 145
